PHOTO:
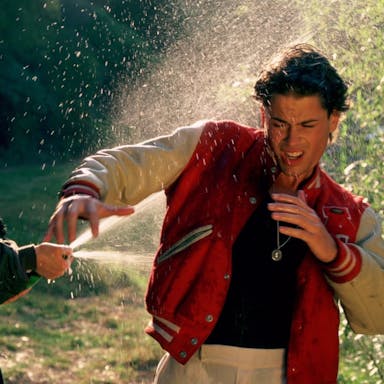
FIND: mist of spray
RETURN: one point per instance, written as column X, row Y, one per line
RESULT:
column 207, row 74
column 119, row 239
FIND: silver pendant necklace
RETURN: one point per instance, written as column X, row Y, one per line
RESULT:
column 277, row 254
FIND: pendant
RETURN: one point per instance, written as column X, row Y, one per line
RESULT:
column 277, row 255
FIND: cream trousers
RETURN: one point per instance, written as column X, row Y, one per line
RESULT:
column 219, row 364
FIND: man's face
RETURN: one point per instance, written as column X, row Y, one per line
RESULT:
column 298, row 130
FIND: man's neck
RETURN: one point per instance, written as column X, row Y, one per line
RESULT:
column 285, row 184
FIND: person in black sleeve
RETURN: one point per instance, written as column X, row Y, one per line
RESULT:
column 22, row 267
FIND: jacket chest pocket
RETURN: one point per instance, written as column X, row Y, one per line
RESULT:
column 339, row 222
column 185, row 242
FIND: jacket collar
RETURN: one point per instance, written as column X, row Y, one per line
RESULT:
column 312, row 187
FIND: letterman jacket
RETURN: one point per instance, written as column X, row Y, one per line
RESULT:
column 214, row 174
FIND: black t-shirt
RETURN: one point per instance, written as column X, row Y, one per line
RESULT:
column 259, row 305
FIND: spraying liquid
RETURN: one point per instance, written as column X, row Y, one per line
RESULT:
column 125, row 240
column 207, row 74
column 210, row 72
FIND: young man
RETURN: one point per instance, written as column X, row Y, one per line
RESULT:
column 257, row 241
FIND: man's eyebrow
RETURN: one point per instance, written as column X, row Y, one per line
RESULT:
column 301, row 122
column 278, row 119
column 309, row 121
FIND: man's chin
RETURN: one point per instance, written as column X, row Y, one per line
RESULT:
column 296, row 173
column 292, row 172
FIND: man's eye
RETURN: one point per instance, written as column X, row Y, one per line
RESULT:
column 279, row 125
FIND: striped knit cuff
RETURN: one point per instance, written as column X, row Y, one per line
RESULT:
column 347, row 264
column 80, row 189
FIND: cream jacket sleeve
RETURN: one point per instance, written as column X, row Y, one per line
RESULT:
column 363, row 297
column 129, row 173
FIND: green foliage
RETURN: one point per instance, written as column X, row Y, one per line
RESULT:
column 361, row 357
column 59, row 64
column 352, row 35
column 29, row 195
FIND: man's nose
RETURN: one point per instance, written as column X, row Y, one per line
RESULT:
column 292, row 136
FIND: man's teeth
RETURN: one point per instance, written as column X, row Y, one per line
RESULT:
column 294, row 155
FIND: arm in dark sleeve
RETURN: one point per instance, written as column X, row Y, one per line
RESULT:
column 14, row 264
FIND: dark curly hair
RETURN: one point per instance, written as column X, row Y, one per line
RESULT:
column 3, row 231
column 303, row 71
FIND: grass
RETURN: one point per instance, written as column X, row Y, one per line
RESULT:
column 49, row 337
column 87, row 327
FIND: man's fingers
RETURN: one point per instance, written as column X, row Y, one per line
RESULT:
column 123, row 211
column 48, row 235
column 301, row 195
column 73, row 210
column 94, row 221
column 51, row 230
column 58, row 226
column 290, row 199
column 112, row 210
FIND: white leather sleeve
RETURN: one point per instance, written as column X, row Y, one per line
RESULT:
column 128, row 174
column 363, row 297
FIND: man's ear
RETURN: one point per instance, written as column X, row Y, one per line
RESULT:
column 334, row 121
